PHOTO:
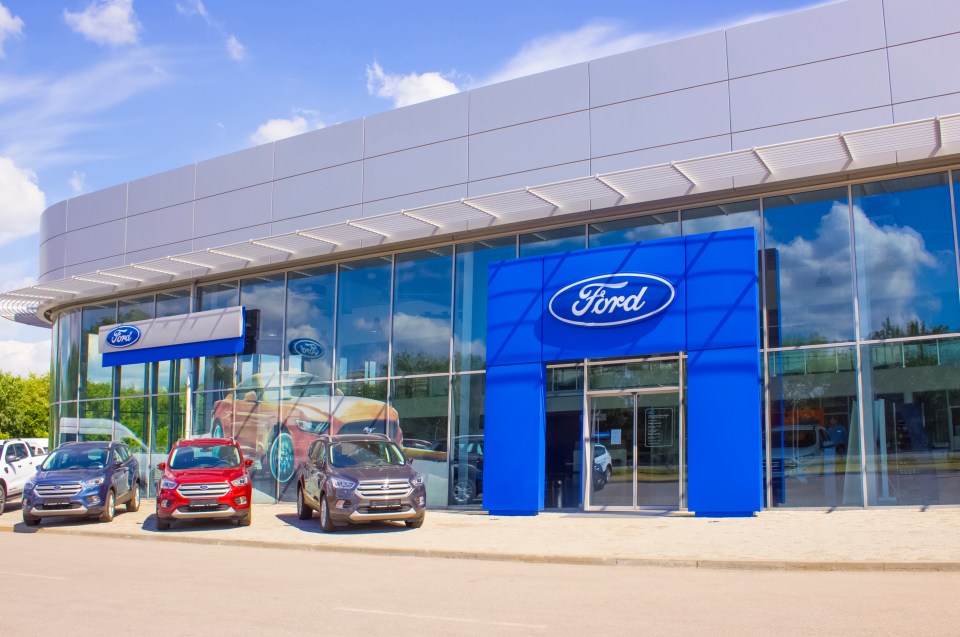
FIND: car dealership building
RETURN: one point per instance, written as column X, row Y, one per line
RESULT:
column 718, row 274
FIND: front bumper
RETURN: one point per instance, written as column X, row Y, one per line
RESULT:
column 76, row 509
column 350, row 506
column 225, row 511
column 233, row 504
column 366, row 516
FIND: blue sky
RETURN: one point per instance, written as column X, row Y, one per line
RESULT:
column 94, row 93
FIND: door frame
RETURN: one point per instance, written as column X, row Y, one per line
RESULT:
column 587, row 440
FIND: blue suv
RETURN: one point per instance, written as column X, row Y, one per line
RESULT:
column 83, row 479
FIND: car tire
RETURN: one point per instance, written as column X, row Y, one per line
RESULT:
column 216, row 430
column 607, row 475
column 3, row 498
column 133, row 504
column 415, row 523
column 30, row 520
column 163, row 525
column 464, row 491
column 304, row 512
column 246, row 520
column 280, row 455
column 326, row 524
column 109, row 507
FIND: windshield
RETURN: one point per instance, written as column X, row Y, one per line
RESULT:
column 366, row 453
column 205, row 457
column 305, row 391
column 62, row 459
column 802, row 438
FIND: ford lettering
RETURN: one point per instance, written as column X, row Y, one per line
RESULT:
column 123, row 336
column 612, row 299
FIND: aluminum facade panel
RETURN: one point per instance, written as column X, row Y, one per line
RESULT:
column 160, row 227
column 97, row 207
column 813, row 90
column 526, row 99
column 319, row 190
column 694, row 61
column 529, row 178
column 95, row 242
column 909, row 20
column 234, row 171
column 90, row 267
column 415, row 200
column 53, row 221
column 158, row 252
column 409, row 171
column 660, row 120
column 330, row 146
column 162, row 190
column 549, row 142
column 234, row 236
column 232, row 210
column 917, row 70
column 813, row 128
column 416, row 125
column 315, row 220
column 661, row 154
column 52, row 254
column 931, row 107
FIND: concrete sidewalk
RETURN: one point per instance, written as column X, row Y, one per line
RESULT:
column 876, row 539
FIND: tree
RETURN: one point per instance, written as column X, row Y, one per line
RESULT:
column 24, row 406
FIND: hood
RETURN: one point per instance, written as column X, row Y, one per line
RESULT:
column 376, row 473
column 69, row 475
column 204, row 475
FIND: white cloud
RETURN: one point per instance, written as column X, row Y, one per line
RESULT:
column 407, row 89
column 10, row 25
column 303, row 120
column 77, row 181
column 110, row 22
column 22, row 358
column 21, row 201
column 235, row 50
column 191, row 8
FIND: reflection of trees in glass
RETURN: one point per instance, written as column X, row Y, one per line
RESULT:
column 419, row 363
column 99, row 390
column 913, row 327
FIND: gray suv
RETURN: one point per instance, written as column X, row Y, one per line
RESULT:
column 359, row 478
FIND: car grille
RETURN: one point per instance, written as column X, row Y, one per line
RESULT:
column 383, row 488
column 58, row 490
column 205, row 490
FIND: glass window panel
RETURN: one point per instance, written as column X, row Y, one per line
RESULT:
column 906, row 262
column 167, row 426
column 363, row 318
column 69, row 354
column 740, row 214
column 814, row 439
column 204, row 422
column 563, row 437
column 361, row 407
column 466, row 451
column 653, row 373
column 254, row 408
column 171, row 376
column 470, row 299
column 634, row 229
column 550, row 241
column 133, row 378
column 422, row 405
column 912, row 428
column 267, row 295
column 421, row 311
column 310, row 301
column 809, row 278
column 173, row 303
column 66, row 425
column 96, row 381
column 217, row 372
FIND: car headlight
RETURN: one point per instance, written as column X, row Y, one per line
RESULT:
column 340, row 483
column 416, row 481
column 92, row 483
column 28, row 487
column 313, row 426
column 242, row 481
column 168, row 484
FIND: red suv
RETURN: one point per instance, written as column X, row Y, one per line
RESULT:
column 204, row 479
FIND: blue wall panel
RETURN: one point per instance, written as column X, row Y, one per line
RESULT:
column 514, row 439
column 513, row 312
column 724, row 445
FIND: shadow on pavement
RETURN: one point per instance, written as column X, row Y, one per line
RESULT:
column 368, row 528
column 181, row 526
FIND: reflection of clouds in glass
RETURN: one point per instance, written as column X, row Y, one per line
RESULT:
column 649, row 233
column 429, row 334
column 718, row 223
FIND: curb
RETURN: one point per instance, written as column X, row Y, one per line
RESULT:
column 530, row 558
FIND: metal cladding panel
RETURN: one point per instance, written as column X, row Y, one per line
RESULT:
column 724, row 445
column 514, row 439
column 568, row 336
column 514, row 308
column 721, row 281
column 182, row 336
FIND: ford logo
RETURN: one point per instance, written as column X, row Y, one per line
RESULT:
column 612, row 299
column 306, row 347
column 123, row 336
column 203, row 487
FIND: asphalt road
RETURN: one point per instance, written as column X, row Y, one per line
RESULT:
column 61, row 585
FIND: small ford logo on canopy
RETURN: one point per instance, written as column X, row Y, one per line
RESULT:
column 612, row 299
column 123, row 336
column 306, row 347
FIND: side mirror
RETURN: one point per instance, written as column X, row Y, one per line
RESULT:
column 161, row 466
column 117, row 464
column 250, row 397
column 248, row 463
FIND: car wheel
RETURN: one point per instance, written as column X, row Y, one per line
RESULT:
column 216, row 431
column 280, row 456
column 133, row 504
column 415, row 523
column 246, row 520
column 162, row 525
column 607, row 475
column 109, row 507
column 464, row 491
column 3, row 498
column 325, row 522
column 304, row 512
column 29, row 520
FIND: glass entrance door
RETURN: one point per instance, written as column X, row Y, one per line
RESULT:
column 636, row 446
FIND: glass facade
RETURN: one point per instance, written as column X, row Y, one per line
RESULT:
column 861, row 348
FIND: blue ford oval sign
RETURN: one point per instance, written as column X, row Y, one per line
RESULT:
column 123, row 336
column 306, row 347
column 612, row 299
